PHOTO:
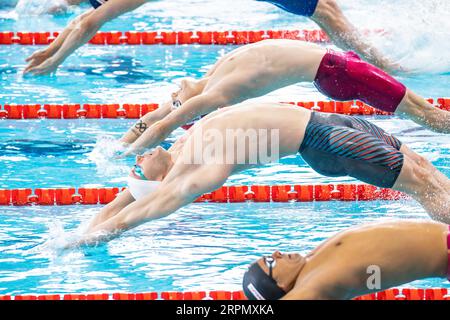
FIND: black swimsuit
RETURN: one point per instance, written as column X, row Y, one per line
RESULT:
column 300, row 7
column 337, row 145
column 97, row 3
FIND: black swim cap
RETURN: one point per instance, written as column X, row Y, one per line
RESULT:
column 259, row 286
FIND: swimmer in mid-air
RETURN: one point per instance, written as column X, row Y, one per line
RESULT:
column 398, row 251
column 234, row 139
column 326, row 13
column 257, row 69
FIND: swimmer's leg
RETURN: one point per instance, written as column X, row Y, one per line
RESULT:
column 123, row 199
column 422, row 112
column 423, row 185
column 346, row 77
column 424, row 163
column 343, row 34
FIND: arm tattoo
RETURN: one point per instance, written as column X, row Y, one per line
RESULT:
column 140, row 128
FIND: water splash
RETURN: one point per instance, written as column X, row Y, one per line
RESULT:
column 104, row 155
column 415, row 32
column 38, row 7
column 57, row 240
column 61, row 247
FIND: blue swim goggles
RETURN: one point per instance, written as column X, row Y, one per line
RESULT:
column 139, row 172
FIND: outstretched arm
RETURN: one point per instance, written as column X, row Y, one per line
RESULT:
column 146, row 122
column 155, row 206
column 191, row 109
column 83, row 31
column 343, row 34
column 119, row 203
column 173, row 194
column 40, row 56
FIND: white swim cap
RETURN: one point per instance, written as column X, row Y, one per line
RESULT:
column 141, row 188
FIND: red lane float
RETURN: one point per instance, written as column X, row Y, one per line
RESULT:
column 228, row 194
column 231, row 37
column 135, row 111
column 390, row 294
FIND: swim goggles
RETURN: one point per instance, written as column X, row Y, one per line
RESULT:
column 139, row 172
column 270, row 263
column 176, row 103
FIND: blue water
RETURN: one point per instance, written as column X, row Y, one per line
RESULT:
column 201, row 247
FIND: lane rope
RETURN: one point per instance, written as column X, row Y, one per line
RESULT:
column 169, row 37
column 227, row 194
column 233, row 194
column 391, row 294
column 135, row 111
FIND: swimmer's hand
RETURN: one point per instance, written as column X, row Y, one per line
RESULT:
column 37, row 58
column 121, row 147
column 92, row 240
column 125, row 150
column 130, row 151
column 47, row 67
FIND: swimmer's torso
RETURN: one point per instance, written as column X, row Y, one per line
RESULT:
column 269, row 65
column 250, row 118
column 402, row 251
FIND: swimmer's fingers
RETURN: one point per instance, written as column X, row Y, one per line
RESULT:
column 37, row 54
column 39, row 72
column 27, row 69
column 32, row 70
column 42, row 70
column 30, row 66
column 32, row 57
column 123, row 155
column 127, row 153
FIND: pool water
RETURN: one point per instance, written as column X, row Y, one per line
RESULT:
column 202, row 246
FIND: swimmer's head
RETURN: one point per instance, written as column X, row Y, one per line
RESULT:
column 153, row 165
column 271, row 277
column 148, row 172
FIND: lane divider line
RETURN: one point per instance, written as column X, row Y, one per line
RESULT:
column 227, row 194
column 135, row 111
column 231, row 37
column 390, row 294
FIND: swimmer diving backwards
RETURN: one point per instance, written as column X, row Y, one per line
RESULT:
column 341, row 267
column 326, row 13
column 233, row 139
column 257, row 69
